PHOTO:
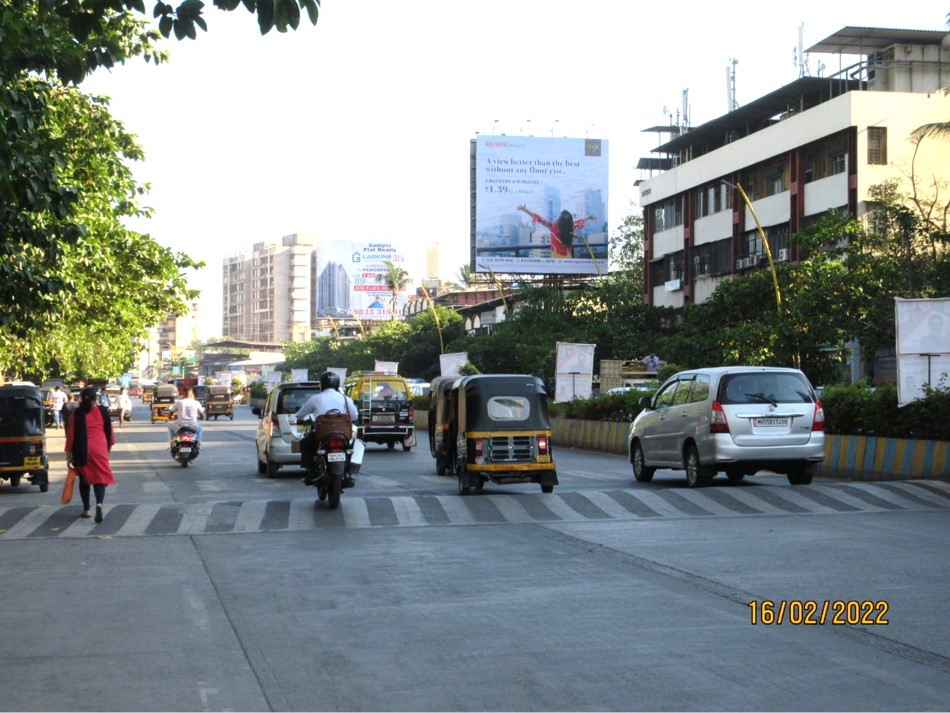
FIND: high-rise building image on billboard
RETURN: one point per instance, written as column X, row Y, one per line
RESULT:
column 539, row 205
column 333, row 291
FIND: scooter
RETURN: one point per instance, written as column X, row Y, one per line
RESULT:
column 337, row 457
column 185, row 445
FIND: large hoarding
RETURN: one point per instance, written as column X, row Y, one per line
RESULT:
column 540, row 205
column 348, row 279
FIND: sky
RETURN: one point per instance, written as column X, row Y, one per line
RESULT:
column 358, row 128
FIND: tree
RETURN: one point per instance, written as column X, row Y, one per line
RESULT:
column 69, row 271
column 396, row 280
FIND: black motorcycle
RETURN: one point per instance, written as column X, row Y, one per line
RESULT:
column 330, row 469
column 185, row 445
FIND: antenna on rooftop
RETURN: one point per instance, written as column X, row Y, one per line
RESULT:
column 731, row 85
column 799, row 54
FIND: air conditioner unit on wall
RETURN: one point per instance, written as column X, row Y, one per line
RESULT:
column 740, row 264
column 783, row 255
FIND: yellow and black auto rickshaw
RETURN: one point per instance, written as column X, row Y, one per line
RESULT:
column 23, row 436
column 219, row 402
column 163, row 396
column 491, row 427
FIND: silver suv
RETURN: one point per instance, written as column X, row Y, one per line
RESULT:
column 737, row 419
column 278, row 425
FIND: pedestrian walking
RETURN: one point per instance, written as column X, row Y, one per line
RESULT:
column 69, row 408
column 125, row 406
column 58, row 397
column 89, row 438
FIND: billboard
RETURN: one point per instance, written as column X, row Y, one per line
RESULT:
column 923, row 346
column 540, row 205
column 348, row 280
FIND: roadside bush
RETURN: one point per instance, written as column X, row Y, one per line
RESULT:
column 860, row 409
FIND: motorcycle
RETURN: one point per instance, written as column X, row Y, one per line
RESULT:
column 185, row 445
column 337, row 457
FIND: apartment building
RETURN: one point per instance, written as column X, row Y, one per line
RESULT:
column 268, row 293
column 812, row 145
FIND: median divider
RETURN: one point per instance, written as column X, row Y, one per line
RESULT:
column 846, row 457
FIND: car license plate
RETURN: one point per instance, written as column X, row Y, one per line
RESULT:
column 384, row 418
column 770, row 422
column 32, row 461
column 336, row 457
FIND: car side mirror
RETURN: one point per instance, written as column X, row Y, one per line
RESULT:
column 644, row 402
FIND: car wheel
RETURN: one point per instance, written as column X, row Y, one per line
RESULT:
column 641, row 472
column 800, row 475
column 272, row 468
column 547, row 488
column 735, row 475
column 14, row 481
column 697, row 474
column 261, row 466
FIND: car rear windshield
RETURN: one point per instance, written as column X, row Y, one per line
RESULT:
column 291, row 400
column 762, row 387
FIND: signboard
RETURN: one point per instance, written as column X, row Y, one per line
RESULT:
column 300, row 375
column 540, row 205
column 574, row 372
column 923, row 346
column 350, row 282
column 451, row 364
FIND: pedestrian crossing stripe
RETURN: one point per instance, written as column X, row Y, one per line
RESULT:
column 638, row 503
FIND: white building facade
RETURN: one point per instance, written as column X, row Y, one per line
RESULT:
column 813, row 145
column 268, row 293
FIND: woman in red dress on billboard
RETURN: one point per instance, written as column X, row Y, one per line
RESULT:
column 562, row 230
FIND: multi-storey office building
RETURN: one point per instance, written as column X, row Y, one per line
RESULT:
column 813, row 145
column 268, row 293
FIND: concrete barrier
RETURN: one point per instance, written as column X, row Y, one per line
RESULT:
column 847, row 457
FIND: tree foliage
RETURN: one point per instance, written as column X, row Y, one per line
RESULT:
column 78, row 288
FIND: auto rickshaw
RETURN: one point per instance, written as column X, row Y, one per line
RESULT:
column 491, row 427
column 163, row 396
column 219, row 402
column 23, row 436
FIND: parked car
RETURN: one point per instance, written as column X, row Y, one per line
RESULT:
column 277, row 429
column 737, row 420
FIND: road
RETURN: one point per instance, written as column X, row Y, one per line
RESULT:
column 215, row 588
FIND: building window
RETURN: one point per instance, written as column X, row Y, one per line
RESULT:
column 668, row 214
column 877, row 145
column 826, row 158
column 767, row 179
column 712, row 198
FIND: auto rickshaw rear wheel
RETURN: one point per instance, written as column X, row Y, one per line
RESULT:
column 14, row 481
column 460, row 469
column 441, row 464
column 547, row 488
column 391, row 444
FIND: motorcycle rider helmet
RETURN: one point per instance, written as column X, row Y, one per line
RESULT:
column 329, row 380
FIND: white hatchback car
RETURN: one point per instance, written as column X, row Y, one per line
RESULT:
column 737, row 419
column 277, row 428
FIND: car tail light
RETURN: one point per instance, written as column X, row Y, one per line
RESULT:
column 717, row 419
column 818, row 423
column 274, row 424
column 542, row 445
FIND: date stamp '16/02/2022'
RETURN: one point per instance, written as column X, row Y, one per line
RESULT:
column 815, row 612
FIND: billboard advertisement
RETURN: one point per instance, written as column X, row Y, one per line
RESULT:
column 923, row 346
column 540, row 205
column 349, row 283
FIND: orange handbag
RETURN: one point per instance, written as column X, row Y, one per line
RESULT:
column 68, row 486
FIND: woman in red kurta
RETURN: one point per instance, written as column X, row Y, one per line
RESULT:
column 89, row 439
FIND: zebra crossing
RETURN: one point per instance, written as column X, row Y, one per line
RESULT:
column 639, row 503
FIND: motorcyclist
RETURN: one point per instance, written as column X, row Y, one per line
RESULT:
column 328, row 399
column 189, row 410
